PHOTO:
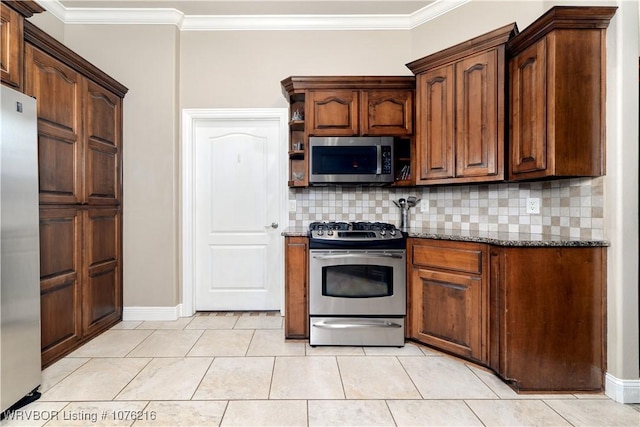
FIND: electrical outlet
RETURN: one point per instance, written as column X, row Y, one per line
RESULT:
column 292, row 205
column 533, row 205
column 424, row 206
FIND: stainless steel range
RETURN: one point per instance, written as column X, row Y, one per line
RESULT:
column 357, row 284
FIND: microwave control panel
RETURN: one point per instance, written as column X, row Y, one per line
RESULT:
column 387, row 163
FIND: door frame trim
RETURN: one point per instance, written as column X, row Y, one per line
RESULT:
column 190, row 119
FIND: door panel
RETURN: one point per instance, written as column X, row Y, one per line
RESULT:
column 57, row 88
column 333, row 113
column 101, row 296
column 238, row 254
column 477, row 116
column 60, row 260
column 103, row 135
column 435, row 117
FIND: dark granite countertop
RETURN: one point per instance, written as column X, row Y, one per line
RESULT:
column 489, row 237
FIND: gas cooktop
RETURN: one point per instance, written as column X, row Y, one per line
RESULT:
column 360, row 234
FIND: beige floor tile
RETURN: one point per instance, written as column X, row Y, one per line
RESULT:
column 236, row 378
column 167, row 343
column 259, row 322
column 222, row 342
column 515, row 413
column 271, row 342
column 179, row 323
column 408, row 350
column 127, row 324
column 98, row 379
column 212, row 322
column 349, row 413
column 167, row 379
column 590, row 396
column 182, row 414
column 328, row 350
column 445, row 378
column 105, row 414
column 303, row 377
column 502, row 390
column 112, row 343
column 432, row 413
column 264, row 413
column 596, row 412
column 380, row 377
column 55, row 373
column 35, row 414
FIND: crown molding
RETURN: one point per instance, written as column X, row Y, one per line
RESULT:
column 148, row 16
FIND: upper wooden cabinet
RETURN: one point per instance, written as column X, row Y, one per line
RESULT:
column 332, row 113
column 12, row 41
column 460, row 111
column 348, row 106
column 557, row 101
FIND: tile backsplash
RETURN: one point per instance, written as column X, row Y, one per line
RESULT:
column 569, row 208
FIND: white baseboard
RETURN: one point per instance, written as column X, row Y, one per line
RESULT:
column 622, row 391
column 151, row 313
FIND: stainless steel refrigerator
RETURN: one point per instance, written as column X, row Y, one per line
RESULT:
column 20, row 367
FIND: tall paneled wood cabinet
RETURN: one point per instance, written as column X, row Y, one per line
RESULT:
column 557, row 103
column 80, row 169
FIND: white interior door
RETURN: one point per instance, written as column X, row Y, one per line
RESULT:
column 238, row 256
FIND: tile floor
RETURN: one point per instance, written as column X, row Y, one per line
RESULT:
column 236, row 369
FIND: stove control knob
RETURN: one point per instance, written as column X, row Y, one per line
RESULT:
column 383, row 232
column 393, row 232
column 330, row 233
column 320, row 233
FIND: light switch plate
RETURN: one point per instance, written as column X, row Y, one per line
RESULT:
column 292, row 205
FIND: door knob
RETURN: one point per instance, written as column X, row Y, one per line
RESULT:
column 274, row 225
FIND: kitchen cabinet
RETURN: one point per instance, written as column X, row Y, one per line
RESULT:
column 296, row 315
column 12, row 16
column 80, row 169
column 548, row 317
column 557, row 95
column 448, row 296
column 460, row 111
column 348, row 106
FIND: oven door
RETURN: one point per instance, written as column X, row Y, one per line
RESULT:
column 357, row 282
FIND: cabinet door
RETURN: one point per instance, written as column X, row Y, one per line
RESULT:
column 11, row 47
column 479, row 117
column 296, row 257
column 101, row 289
column 57, row 89
column 448, row 311
column 435, row 124
column 102, row 135
column 528, row 139
column 386, row 112
column 60, row 275
column 332, row 112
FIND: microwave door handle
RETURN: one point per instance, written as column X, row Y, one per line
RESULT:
column 379, row 163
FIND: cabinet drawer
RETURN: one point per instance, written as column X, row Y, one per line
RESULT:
column 456, row 256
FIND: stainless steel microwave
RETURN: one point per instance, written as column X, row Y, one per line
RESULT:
column 351, row 160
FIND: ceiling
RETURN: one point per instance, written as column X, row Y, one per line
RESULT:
column 261, row 7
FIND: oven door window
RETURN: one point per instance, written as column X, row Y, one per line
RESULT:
column 357, row 281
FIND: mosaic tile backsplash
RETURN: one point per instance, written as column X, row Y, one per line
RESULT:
column 570, row 208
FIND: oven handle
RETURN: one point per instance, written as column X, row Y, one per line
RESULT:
column 368, row 255
column 371, row 323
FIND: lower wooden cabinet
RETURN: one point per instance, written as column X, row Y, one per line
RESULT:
column 448, row 296
column 548, row 317
column 80, row 269
column 296, row 315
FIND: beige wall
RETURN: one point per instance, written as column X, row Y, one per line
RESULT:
column 166, row 71
column 244, row 68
